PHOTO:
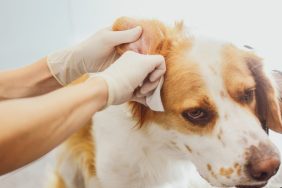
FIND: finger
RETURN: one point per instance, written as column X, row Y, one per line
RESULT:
column 157, row 74
column 126, row 36
column 154, row 62
column 138, row 94
column 159, row 69
column 148, row 87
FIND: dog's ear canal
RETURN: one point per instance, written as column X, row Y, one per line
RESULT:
column 153, row 40
column 267, row 99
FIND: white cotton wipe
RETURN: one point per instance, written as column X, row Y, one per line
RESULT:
column 154, row 100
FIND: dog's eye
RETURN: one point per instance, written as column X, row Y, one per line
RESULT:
column 197, row 116
column 248, row 96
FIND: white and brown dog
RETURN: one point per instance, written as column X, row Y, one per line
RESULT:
column 216, row 99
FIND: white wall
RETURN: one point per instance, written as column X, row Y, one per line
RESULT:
column 30, row 29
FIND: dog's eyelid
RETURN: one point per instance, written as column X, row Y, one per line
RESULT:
column 198, row 116
column 251, row 89
column 247, row 95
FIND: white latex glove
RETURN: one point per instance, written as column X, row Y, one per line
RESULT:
column 133, row 77
column 92, row 55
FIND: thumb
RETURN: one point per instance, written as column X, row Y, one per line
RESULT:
column 126, row 36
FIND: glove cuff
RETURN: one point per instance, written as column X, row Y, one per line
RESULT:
column 65, row 66
column 110, row 84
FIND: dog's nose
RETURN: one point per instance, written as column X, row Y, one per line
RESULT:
column 262, row 164
column 263, row 170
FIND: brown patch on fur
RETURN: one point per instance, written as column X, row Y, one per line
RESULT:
column 227, row 172
column 182, row 81
column 238, row 169
column 237, row 76
column 189, row 149
column 209, row 167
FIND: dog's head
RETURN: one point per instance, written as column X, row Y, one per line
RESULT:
column 216, row 99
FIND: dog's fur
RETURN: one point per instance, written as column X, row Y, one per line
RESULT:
column 130, row 146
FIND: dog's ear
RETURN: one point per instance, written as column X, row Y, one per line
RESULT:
column 277, row 75
column 267, row 97
column 154, row 39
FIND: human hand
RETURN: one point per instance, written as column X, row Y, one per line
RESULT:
column 91, row 55
column 132, row 77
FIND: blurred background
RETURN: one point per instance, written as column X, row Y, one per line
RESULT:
column 31, row 29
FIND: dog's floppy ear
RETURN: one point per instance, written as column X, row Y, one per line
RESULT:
column 153, row 40
column 277, row 75
column 268, row 107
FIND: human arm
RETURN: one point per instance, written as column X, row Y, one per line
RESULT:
column 94, row 54
column 28, row 81
column 31, row 127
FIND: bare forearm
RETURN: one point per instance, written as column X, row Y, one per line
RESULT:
column 29, row 128
column 32, row 80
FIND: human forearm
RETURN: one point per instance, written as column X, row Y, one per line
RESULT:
column 44, row 122
column 31, row 80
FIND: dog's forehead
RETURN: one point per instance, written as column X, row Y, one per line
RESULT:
column 208, row 54
column 199, row 71
column 206, row 51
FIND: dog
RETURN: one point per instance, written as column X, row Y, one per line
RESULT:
column 219, row 103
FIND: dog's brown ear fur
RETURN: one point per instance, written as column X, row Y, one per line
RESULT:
column 268, row 107
column 155, row 39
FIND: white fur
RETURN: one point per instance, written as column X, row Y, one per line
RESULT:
column 127, row 157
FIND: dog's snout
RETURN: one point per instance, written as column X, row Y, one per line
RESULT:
column 263, row 170
column 263, row 163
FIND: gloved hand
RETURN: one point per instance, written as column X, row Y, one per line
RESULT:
column 132, row 77
column 92, row 55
